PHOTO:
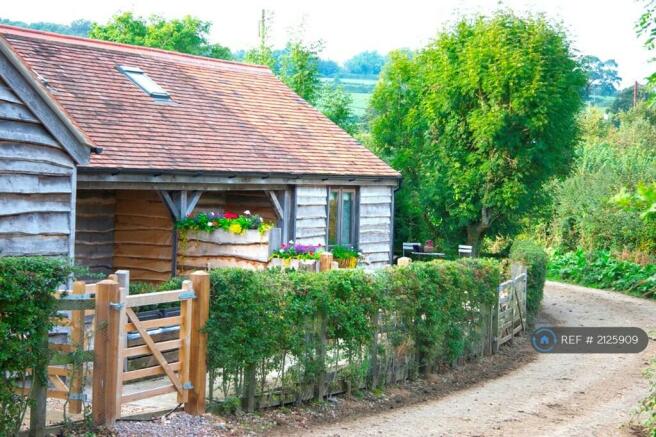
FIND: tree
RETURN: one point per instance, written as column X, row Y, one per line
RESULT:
column 76, row 28
column 335, row 104
column 299, row 69
column 368, row 62
column 263, row 53
column 328, row 67
column 602, row 76
column 479, row 120
column 185, row 35
column 624, row 98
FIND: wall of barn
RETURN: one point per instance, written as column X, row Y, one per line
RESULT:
column 94, row 236
column 375, row 224
column 37, row 185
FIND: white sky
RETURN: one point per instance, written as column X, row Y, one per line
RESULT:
column 604, row 28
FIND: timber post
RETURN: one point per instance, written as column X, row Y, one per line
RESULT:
column 77, row 341
column 107, row 356
column 325, row 261
column 195, row 405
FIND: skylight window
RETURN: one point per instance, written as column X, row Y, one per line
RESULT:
column 144, row 82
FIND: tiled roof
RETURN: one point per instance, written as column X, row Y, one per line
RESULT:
column 223, row 116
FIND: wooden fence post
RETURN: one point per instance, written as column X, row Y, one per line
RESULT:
column 198, row 349
column 107, row 365
column 76, row 374
column 39, row 392
column 186, row 317
column 325, row 261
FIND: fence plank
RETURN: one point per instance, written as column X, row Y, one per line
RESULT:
column 155, row 323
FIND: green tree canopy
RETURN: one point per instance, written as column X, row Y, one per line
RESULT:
column 186, row 35
column 478, row 121
column 603, row 78
column 335, row 104
column 299, row 69
column 76, row 27
column 367, row 62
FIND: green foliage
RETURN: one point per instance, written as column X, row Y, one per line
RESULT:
column 229, row 222
column 26, row 306
column 76, row 27
column 343, row 252
column 600, row 269
column 477, row 122
column 336, row 104
column 278, row 320
column 610, row 159
column 365, row 63
column 624, row 98
column 643, row 201
column 185, row 35
column 299, row 68
column 536, row 260
column 602, row 76
column 648, row 405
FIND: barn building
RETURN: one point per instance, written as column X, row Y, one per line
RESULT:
column 104, row 146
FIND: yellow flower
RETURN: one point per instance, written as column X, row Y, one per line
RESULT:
column 235, row 228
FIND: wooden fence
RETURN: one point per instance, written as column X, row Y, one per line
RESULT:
column 114, row 317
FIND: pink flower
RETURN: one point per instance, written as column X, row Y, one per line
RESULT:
column 230, row 215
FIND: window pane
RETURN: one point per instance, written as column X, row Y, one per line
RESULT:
column 347, row 218
column 332, row 218
column 147, row 84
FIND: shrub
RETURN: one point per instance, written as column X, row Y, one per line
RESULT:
column 299, row 324
column 600, row 269
column 535, row 258
column 26, row 307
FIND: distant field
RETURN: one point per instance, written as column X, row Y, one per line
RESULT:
column 360, row 89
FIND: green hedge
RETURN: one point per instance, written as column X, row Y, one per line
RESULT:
column 300, row 324
column 26, row 305
column 600, row 269
column 536, row 259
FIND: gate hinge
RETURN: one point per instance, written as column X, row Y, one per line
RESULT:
column 116, row 305
column 188, row 386
column 187, row 295
column 77, row 397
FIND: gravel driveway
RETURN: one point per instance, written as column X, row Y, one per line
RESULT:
column 555, row 395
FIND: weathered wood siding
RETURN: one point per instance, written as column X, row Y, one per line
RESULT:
column 219, row 202
column 143, row 236
column 37, row 185
column 311, row 217
column 375, row 224
column 94, row 236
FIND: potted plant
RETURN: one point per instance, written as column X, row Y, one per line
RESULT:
column 346, row 257
column 294, row 254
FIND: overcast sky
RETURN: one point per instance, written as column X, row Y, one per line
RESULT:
column 603, row 28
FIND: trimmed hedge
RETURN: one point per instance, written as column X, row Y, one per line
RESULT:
column 300, row 324
column 26, row 305
column 533, row 256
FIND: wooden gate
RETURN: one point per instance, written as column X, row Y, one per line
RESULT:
column 511, row 310
column 115, row 317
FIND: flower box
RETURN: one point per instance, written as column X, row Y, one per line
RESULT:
column 202, row 250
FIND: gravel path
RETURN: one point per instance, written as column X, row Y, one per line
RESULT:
column 555, row 395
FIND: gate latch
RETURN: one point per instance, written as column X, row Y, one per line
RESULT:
column 116, row 305
column 187, row 295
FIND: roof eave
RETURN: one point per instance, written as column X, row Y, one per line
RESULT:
column 81, row 145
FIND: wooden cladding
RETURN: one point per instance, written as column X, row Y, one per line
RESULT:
column 143, row 236
column 36, row 184
column 94, row 237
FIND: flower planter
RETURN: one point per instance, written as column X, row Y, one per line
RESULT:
column 202, row 250
column 347, row 263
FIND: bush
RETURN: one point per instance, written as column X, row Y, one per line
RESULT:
column 600, row 269
column 299, row 324
column 26, row 307
column 535, row 258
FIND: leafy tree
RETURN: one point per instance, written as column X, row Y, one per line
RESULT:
column 299, row 69
column 335, row 104
column 186, row 35
column 602, row 76
column 328, row 67
column 483, row 116
column 76, row 28
column 624, row 98
column 367, row 62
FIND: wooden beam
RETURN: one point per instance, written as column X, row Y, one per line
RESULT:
column 198, row 347
column 276, row 204
column 193, row 201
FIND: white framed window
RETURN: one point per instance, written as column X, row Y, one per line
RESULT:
column 341, row 217
column 143, row 81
